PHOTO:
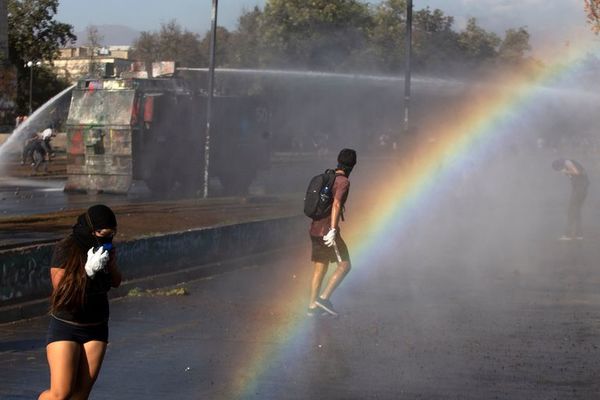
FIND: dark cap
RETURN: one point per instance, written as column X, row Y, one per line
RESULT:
column 347, row 158
column 101, row 217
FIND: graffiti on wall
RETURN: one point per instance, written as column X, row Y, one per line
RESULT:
column 25, row 276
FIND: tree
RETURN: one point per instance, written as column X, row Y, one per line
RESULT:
column 94, row 43
column 592, row 9
column 515, row 45
column 145, row 47
column 435, row 44
column 388, row 33
column 34, row 35
column 223, row 49
column 171, row 43
column 476, row 44
column 318, row 34
column 245, row 41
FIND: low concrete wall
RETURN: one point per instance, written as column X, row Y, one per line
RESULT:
column 24, row 272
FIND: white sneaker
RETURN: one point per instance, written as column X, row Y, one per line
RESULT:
column 579, row 238
column 565, row 238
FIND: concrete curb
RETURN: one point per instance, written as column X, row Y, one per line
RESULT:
column 24, row 272
column 40, row 307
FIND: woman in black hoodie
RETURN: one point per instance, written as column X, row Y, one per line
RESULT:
column 82, row 271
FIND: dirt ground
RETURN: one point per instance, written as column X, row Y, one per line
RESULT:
column 141, row 219
column 147, row 219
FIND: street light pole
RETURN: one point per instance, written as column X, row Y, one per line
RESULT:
column 30, row 65
column 211, row 82
column 407, row 70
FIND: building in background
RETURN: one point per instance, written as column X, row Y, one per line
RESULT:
column 77, row 62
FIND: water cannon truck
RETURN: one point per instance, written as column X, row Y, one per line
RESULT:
column 153, row 129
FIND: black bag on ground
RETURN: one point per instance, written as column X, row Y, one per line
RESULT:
column 319, row 196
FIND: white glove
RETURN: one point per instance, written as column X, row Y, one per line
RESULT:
column 96, row 260
column 329, row 239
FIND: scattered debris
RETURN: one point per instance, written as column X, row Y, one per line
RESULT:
column 138, row 292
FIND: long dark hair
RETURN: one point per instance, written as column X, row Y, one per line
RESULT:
column 70, row 292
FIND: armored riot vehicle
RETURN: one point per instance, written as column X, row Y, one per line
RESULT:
column 153, row 129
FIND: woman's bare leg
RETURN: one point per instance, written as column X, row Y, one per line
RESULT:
column 63, row 359
column 90, row 363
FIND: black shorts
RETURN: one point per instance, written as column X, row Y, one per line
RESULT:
column 61, row 330
column 323, row 254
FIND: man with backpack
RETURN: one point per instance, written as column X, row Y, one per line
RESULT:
column 324, row 203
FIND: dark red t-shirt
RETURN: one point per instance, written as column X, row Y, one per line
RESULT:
column 340, row 190
column 95, row 307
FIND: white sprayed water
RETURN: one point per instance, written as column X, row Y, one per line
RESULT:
column 555, row 89
column 42, row 117
column 331, row 75
column 39, row 120
column 49, row 185
column 550, row 102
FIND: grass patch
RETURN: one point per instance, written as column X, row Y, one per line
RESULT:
column 138, row 292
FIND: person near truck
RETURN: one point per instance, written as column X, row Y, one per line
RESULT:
column 37, row 150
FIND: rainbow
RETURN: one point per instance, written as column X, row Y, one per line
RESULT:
column 472, row 131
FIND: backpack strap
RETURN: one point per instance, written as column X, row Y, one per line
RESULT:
column 331, row 172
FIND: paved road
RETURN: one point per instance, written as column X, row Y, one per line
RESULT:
column 446, row 318
column 474, row 298
column 26, row 196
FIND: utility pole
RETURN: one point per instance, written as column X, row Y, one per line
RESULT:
column 407, row 70
column 31, row 64
column 211, row 83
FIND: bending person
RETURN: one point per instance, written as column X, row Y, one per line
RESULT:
column 579, row 189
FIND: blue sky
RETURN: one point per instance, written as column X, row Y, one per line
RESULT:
column 149, row 14
column 554, row 21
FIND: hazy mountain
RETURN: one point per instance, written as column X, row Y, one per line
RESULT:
column 111, row 35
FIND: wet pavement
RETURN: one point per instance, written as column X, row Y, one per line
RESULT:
column 474, row 299
column 38, row 211
column 22, row 195
column 430, row 323
column 27, row 196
